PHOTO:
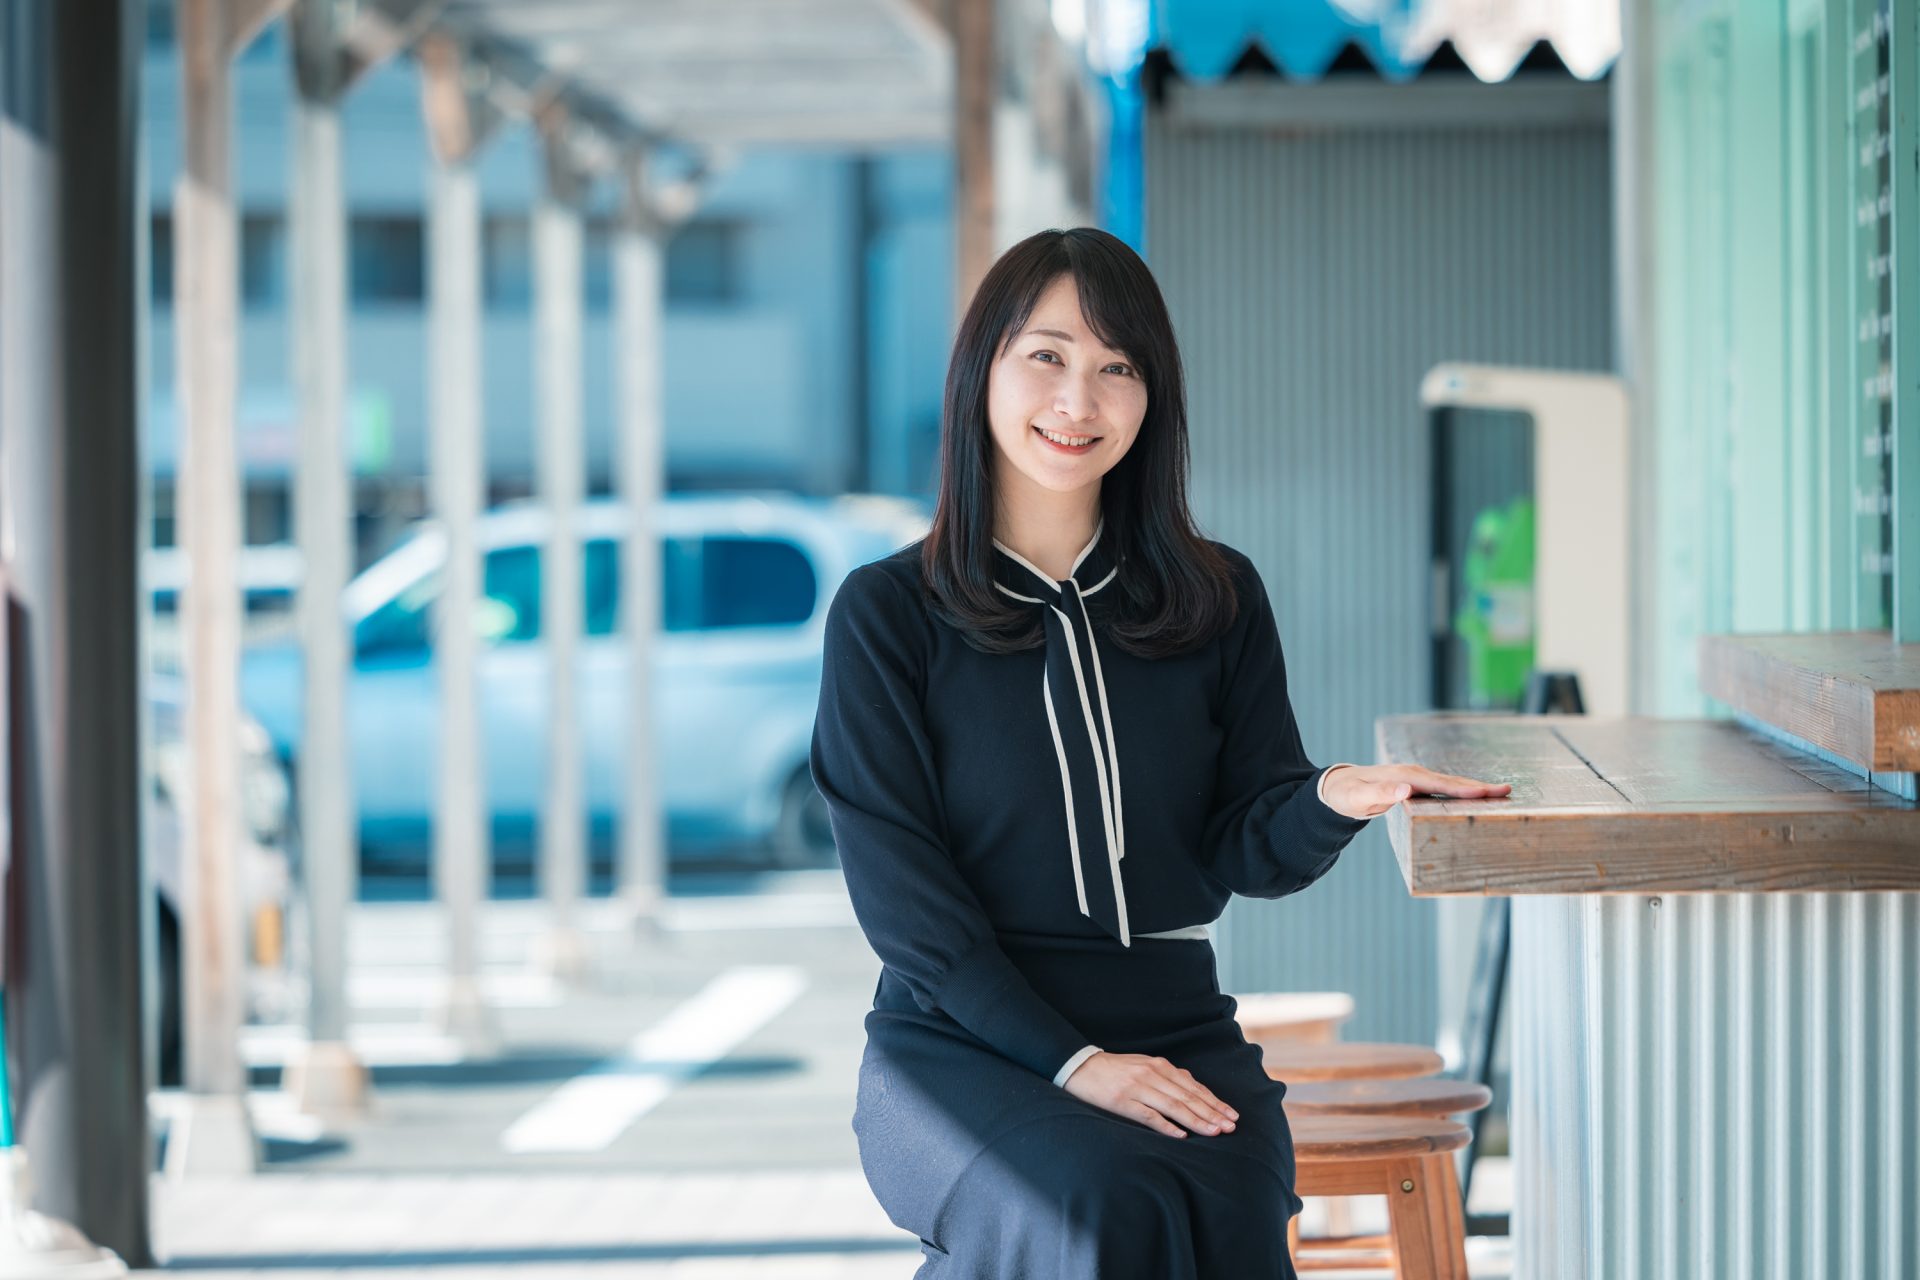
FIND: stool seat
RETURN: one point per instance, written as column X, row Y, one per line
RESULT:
column 1302, row 1063
column 1432, row 1096
column 1321, row 1138
column 1292, row 1015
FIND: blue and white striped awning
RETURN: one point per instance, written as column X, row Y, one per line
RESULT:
column 1205, row 39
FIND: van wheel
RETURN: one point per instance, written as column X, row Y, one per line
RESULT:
column 802, row 837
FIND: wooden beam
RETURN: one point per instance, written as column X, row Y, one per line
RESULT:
column 245, row 19
column 334, row 47
column 568, row 178
column 975, row 90
column 380, row 30
column 459, row 113
column 1854, row 693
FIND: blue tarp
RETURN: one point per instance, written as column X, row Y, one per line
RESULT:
column 1204, row 38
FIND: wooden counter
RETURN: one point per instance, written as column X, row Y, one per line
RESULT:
column 1635, row 805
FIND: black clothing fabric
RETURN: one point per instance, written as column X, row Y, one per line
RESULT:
column 950, row 797
column 1074, row 693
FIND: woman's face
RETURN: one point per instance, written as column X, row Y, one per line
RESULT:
column 1055, row 376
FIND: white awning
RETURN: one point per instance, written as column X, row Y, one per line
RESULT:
column 740, row 72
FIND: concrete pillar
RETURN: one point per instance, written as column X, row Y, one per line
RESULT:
column 70, row 390
column 459, row 121
column 639, row 284
column 327, row 1078
column 211, row 1134
column 462, row 827
column 561, row 484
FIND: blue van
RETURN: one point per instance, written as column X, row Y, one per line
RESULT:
column 746, row 579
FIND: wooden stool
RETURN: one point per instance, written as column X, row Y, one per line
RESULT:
column 1292, row 1015
column 1297, row 1063
column 1436, row 1097
column 1405, row 1159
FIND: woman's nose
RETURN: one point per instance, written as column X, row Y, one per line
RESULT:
column 1075, row 400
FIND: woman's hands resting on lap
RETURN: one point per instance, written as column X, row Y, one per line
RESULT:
column 1152, row 1091
column 1155, row 1092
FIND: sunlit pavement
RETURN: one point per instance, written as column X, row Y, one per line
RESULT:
column 682, row 1112
column 789, row 1224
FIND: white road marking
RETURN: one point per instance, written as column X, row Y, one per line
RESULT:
column 591, row 1111
column 378, row 1044
column 781, row 911
column 411, row 988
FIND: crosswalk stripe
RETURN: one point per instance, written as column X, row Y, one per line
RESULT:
column 591, row 1111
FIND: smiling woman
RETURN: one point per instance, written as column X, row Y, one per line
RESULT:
column 1054, row 738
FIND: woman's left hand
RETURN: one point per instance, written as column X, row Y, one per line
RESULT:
column 1366, row 791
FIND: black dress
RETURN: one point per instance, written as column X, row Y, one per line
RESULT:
column 1014, row 829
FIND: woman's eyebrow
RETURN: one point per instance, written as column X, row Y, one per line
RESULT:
column 1063, row 336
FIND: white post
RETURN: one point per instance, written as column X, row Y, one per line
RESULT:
column 212, row 1134
column 326, row 1078
column 461, row 828
column 1635, row 313
column 561, row 482
column 639, row 284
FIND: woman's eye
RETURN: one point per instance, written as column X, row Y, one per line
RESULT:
column 1048, row 354
column 1121, row 367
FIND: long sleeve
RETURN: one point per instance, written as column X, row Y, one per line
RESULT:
column 1270, row 832
column 873, row 762
column 1320, row 787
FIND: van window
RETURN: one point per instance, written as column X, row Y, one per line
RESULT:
column 706, row 583
column 511, row 612
column 401, row 630
column 756, row 582
column 710, row 583
column 679, row 585
column 397, row 631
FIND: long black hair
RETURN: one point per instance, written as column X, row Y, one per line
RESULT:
column 1175, row 589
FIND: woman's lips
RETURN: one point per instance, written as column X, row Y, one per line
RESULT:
column 1066, row 448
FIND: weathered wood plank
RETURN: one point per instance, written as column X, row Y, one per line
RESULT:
column 1667, row 806
column 1854, row 693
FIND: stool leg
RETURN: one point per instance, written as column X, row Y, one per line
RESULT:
column 1429, row 1230
column 1339, row 1215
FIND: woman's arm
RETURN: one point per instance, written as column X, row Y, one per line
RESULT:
column 1271, row 832
column 873, row 762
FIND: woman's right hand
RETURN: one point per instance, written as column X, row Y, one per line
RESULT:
column 1152, row 1091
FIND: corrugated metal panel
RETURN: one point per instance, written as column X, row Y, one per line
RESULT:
column 1717, row 1085
column 1314, row 278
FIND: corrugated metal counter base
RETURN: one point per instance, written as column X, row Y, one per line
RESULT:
column 1716, row 1085
column 1713, row 1067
